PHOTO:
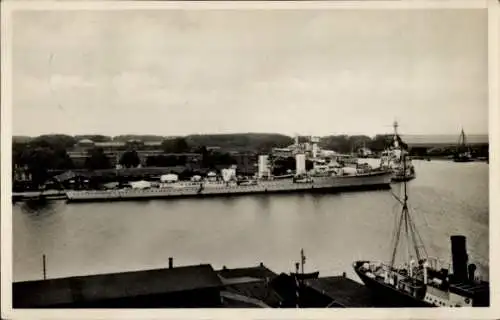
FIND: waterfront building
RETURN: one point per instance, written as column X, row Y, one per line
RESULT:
column 310, row 148
column 21, row 173
column 115, row 149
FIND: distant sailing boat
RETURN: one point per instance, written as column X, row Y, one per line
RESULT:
column 462, row 153
column 419, row 281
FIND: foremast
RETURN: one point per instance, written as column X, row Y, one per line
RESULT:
column 405, row 225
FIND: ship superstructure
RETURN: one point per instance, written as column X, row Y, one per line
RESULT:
column 396, row 158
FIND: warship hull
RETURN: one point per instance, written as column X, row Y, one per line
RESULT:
column 371, row 181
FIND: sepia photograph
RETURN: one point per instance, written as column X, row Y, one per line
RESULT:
column 253, row 156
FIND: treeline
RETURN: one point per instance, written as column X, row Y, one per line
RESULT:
column 346, row 144
column 93, row 137
column 255, row 142
column 251, row 141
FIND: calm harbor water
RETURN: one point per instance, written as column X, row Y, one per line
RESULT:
column 334, row 229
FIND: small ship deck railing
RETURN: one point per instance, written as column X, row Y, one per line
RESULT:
column 384, row 271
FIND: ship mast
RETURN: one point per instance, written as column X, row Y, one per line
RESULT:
column 405, row 222
column 396, row 135
column 462, row 142
column 462, row 137
column 302, row 260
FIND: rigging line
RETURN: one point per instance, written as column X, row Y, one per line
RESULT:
column 397, row 240
column 394, row 225
column 395, row 217
column 394, row 233
column 407, row 234
column 414, row 239
column 396, row 197
column 415, row 231
column 397, row 229
column 412, row 231
column 426, row 223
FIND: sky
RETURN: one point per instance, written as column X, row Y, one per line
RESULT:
column 314, row 72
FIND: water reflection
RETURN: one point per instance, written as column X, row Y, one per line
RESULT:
column 40, row 207
column 264, row 204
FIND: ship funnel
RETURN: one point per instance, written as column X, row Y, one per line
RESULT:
column 300, row 164
column 459, row 256
column 425, row 266
column 472, row 271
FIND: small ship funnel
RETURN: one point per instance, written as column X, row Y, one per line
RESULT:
column 472, row 271
column 459, row 256
column 425, row 266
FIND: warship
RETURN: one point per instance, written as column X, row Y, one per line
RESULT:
column 326, row 177
column 396, row 158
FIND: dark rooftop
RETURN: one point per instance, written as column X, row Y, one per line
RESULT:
column 75, row 290
column 252, row 283
column 259, row 272
column 343, row 291
column 236, row 300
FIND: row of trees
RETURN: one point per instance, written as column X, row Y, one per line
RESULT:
column 39, row 159
column 248, row 141
column 346, row 144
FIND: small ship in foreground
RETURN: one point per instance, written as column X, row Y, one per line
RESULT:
column 420, row 281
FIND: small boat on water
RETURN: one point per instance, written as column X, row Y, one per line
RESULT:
column 463, row 152
column 396, row 158
column 421, row 281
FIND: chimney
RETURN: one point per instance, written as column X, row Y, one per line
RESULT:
column 472, row 271
column 170, row 263
column 459, row 257
column 425, row 265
